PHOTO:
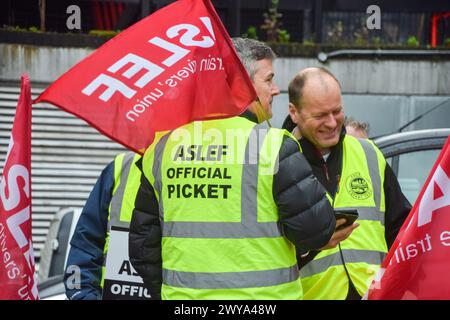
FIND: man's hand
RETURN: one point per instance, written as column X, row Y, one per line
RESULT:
column 340, row 235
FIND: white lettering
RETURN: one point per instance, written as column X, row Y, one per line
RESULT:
column 130, row 114
column 129, row 290
column 187, row 38
column 374, row 21
column 74, row 280
column 13, row 272
column 445, row 236
column 187, row 34
column 23, row 292
column 187, row 310
column 125, row 289
column 133, row 290
column 14, row 222
column 13, row 200
column 115, row 288
column 138, row 64
column 178, row 52
column 74, row 20
column 428, row 204
column 412, row 250
column 207, row 22
column 113, row 86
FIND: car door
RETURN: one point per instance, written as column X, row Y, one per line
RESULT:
column 412, row 156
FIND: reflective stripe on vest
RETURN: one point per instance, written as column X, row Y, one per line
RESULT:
column 351, row 256
column 229, row 280
column 117, row 198
column 362, row 261
column 247, row 228
column 371, row 213
column 122, row 167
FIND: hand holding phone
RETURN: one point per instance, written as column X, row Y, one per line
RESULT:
column 350, row 217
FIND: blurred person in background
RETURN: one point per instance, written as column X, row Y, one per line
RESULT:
column 358, row 129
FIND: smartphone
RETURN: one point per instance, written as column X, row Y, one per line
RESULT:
column 349, row 215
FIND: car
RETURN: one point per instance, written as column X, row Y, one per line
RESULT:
column 54, row 254
column 52, row 288
column 411, row 155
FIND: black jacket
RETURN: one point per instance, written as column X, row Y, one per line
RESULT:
column 305, row 214
column 327, row 172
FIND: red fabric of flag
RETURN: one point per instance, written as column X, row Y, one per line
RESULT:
column 173, row 67
column 417, row 264
column 17, row 279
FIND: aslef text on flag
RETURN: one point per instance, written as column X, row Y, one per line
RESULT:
column 173, row 67
column 17, row 266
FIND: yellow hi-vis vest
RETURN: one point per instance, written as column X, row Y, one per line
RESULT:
column 221, row 236
column 360, row 188
column 127, row 178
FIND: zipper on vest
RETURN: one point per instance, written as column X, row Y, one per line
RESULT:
column 325, row 170
column 338, row 181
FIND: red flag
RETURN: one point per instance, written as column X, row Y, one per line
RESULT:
column 417, row 264
column 173, row 67
column 16, row 251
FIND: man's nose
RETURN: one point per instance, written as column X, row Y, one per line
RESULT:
column 275, row 90
column 331, row 121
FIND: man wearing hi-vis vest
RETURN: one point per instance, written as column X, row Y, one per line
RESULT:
column 103, row 223
column 356, row 177
column 231, row 200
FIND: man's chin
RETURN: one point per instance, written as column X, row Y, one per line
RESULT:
column 328, row 143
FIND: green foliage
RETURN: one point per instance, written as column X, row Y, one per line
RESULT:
column 14, row 28
column 34, row 29
column 376, row 41
column 447, row 42
column 283, row 36
column 336, row 34
column 412, row 41
column 361, row 34
column 104, row 33
column 272, row 25
column 308, row 42
column 251, row 33
column 360, row 41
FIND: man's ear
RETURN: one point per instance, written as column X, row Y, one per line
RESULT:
column 293, row 113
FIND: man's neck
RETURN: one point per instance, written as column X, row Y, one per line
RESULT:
column 247, row 114
column 296, row 133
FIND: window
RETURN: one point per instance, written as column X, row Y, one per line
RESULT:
column 413, row 170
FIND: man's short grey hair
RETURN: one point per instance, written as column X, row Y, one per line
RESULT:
column 250, row 51
column 297, row 84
